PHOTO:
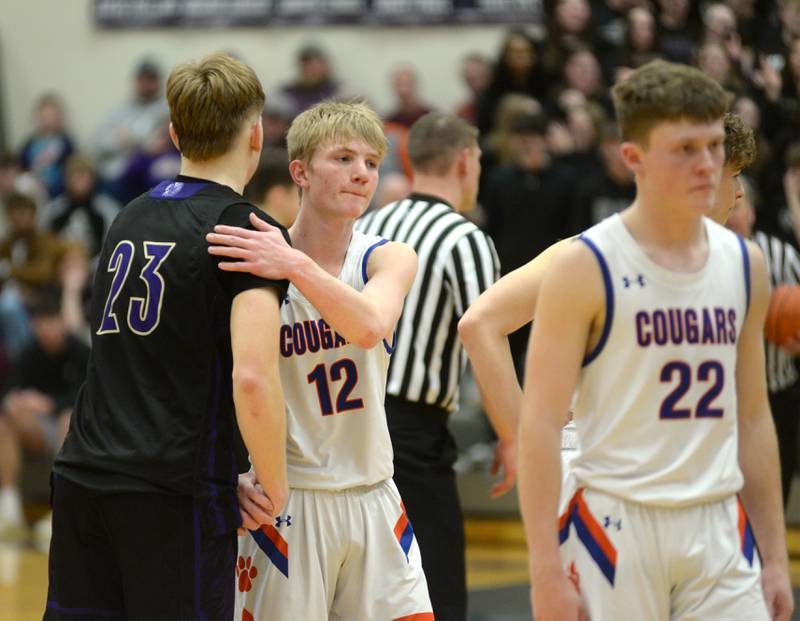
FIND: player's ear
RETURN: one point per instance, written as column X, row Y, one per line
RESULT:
column 174, row 137
column 299, row 172
column 632, row 156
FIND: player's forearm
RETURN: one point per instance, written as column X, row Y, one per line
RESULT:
column 262, row 421
column 761, row 494
column 493, row 367
column 351, row 313
column 539, row 484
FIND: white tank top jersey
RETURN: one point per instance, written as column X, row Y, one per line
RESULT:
column 334, row 392
column 656, row 408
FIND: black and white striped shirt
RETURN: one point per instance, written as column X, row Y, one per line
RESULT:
column 457, row 262
column 783, row 264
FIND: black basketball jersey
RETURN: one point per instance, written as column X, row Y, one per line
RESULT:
column 156, row 412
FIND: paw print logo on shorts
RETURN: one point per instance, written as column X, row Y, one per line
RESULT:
column 246, row 573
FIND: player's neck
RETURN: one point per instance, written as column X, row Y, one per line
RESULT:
column 222, row 170
column 323, row 239
column 444, row 188
column 677, row 244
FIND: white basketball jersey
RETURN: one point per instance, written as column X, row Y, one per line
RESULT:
column 656, row 407
column 334, row 391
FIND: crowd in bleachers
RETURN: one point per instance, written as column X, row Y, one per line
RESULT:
column 550, row 161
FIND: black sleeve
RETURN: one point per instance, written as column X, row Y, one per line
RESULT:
column 236, row 282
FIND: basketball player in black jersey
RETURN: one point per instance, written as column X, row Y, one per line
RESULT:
column 144, row 490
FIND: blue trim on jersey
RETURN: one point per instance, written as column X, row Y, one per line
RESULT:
column 176, row 190
column 748, row 545
column 595, row 550
column 609, row 300
column 746, row 261
column 364, row 276
column 271, row 550
column 390, row 348
column 406, row 539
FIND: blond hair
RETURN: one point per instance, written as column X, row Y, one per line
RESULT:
column 334, row 121
column 662, row 91
column 209, row 100
column 740, row 143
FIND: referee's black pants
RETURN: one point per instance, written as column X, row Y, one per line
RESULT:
column 785, row 406
column 424, row 453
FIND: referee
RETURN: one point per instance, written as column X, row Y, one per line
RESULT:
column 457, row 262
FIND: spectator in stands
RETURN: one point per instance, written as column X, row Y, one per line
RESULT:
column 272, row 189
column 517, row 70
column 568, row 29
column 128, row 126
column 640, row 45
column 606, row 190
column 46, row 150
column 408, row 106
column 314, row 82
column 476, row 73
column 29, row 260
column 83, row 213
column 677, row 31
column 157, row 161
column 35, row 411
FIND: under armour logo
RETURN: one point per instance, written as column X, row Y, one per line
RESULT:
column 173, row 188
column 287, row 520
column 628, row 282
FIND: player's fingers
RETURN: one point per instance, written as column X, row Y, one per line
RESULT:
column 236, row 266
column 228, row 240
column 240, row 532
column 260, row 224
column 234, row 231
column 255, row 514
column 228, row 251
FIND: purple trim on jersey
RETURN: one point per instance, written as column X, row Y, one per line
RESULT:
column 746, row 261
column 212, row 454
column 609, row 300
column 390, row 348
column 364, row 260
column 176, row 190
column 92, row 612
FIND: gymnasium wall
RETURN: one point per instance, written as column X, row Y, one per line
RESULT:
column 53, row 45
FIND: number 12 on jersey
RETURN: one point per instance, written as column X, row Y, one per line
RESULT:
column 344, row 367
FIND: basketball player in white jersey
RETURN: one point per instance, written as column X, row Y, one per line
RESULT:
column 510, row 303
column 343, row 547
column 656, row 316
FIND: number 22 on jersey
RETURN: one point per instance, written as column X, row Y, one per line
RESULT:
column 143, row 313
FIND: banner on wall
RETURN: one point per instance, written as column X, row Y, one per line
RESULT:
column 249, row 13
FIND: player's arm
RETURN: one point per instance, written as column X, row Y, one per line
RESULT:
column 364, row 317
column 257, row 393
column 571, row 298
column 758, row 448
column 502, row 309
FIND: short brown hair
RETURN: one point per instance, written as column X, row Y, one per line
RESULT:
column 208, row 101
column 331, row 121
column 662, row 91
column 740, row 143
column 436, row 139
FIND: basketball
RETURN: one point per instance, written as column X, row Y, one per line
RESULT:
column 783, row 314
